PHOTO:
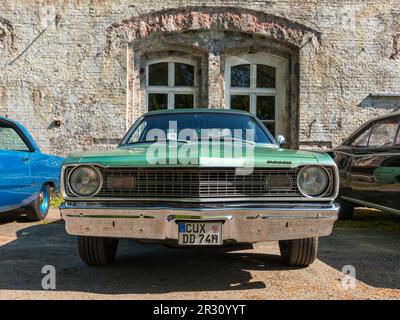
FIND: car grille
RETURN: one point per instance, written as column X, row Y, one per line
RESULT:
column 197, row 183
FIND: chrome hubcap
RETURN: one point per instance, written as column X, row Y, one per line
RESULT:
column 43, row 200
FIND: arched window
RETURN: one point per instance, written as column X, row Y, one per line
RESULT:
column 170, row 84
column 255, row 83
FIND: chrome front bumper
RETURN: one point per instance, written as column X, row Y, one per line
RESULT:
column 241, row 224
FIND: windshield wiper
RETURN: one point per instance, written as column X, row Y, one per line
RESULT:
column 154, row 141
column 188, row 141
column 233, row 139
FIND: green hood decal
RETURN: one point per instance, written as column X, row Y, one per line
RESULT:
column 200, row 155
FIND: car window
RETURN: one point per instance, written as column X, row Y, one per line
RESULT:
column 216, row 124
column 11, row 140
column 383, row 133
column 362, row 139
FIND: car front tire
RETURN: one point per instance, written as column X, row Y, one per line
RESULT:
column 299, row 252
column 97, row 251
column 39, row 209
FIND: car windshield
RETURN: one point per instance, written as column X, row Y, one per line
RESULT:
column 184, row 127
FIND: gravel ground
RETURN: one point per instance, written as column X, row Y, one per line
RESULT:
column 156, row 272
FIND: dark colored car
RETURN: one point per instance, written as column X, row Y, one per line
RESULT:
column 369, row 166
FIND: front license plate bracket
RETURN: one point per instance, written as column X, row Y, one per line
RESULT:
column 204, row 233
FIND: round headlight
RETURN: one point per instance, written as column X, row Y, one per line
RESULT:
column 312, row 181
column 85, row 181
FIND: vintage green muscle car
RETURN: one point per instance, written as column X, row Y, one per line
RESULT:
column 199, row 177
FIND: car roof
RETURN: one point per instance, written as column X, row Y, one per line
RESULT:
column 9, row 120
column 386, row 115
column 198, row 110
column 382, row 117
column 369, row 123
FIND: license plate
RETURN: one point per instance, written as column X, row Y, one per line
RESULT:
column 199, row 233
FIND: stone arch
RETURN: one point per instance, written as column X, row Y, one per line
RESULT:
column 214, row 18
column 202, row 32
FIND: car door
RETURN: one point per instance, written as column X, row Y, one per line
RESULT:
column 344, row 155
column 43, row 168
column 387, row 175
column 373, row 178
column 14, row 168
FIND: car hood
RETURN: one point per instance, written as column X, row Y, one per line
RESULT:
column 200, row 155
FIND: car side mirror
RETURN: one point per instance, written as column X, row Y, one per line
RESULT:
column 281, row 140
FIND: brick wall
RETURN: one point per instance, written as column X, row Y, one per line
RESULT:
column 82, row 68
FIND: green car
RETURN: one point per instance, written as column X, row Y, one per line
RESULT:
column 199, row 178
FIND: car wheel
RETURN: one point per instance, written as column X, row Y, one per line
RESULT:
column 346, row 211
column 299, row 252
column 39, row 209
column 96, row 251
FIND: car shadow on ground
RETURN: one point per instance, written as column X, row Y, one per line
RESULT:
column 370, row 243
column 13, row 216
column 139, row 268
column 149, row 269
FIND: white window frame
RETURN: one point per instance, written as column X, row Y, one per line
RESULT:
column 171, row 90
column 279, row 92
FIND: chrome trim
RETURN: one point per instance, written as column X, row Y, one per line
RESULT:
column 372, row 205
column 80, row 166
column 328, row 186
column 382, row 154
column 269, row 179
column 281, row 207
column 195, row 218
column 203, row 182
column 335, row 191
column 241, row 225
column 204, row 200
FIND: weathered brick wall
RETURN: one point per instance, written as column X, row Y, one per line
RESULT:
column 78, row 72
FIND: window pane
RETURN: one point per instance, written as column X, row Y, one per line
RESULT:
column 362, row 139
column 158, row 74
column 240, row 102
column 10, row 140
column 270, row 126
column 184, row 75
column 183, row 101
column 265, row 108
column 240, row 76
column 265, row 76
column 158, row 101
column 383, row 133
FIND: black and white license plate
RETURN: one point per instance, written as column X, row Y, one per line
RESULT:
column 199, row 233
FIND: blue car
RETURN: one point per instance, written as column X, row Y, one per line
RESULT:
column 27, row 176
